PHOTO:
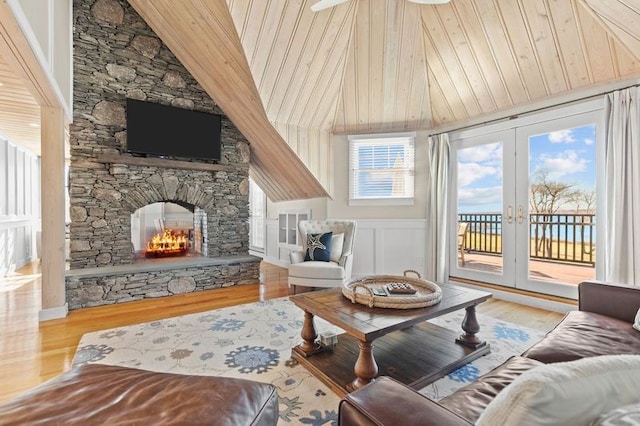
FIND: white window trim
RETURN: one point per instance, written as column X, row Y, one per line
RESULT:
column 380, row 201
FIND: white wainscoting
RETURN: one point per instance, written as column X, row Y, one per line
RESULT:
column 382, row 246
column 19, row 206
column 389, row 246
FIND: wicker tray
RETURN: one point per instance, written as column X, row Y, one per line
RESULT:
column 361, row 291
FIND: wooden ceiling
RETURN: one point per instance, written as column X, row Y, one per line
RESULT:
column 391, row 65
column 19, row 111
column 369, row 66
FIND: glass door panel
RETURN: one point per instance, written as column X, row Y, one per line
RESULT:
column 557, row 196
column 479, row 202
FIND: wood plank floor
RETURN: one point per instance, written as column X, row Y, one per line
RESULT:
column 32, row 352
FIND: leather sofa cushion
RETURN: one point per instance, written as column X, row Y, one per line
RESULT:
column 386, row 401
column 319, row 270
column 471, row 400
column 586, row 334
column 105, row 394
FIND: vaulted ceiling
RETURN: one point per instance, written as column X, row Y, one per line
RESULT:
column 368, row 66
column 379, row 65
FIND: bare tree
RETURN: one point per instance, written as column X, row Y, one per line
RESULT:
column 547, row 197
column 584, row 201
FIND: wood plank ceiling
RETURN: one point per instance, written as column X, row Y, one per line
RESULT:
column 19, row 111
column 368, row 66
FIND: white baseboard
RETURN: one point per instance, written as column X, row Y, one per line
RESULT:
column 523, row 299
column 53, row 313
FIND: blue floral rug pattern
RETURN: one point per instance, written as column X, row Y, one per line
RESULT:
column 254, row 341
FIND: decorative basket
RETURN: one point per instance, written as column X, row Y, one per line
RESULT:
column 361, row 291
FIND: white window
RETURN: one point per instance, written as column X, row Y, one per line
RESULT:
column 382, row 169
column 257, row 213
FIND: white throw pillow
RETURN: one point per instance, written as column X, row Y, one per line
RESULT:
column 636, row 322
column 566, row 393
column 628, row 415
column 337, row 241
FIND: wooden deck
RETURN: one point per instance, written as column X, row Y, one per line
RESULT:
column 539, row 270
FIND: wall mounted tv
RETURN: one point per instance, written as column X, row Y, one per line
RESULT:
column 162, row 130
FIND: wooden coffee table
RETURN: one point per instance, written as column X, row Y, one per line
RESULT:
column 407, row 347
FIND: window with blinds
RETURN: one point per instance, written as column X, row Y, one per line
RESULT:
column 382, row 169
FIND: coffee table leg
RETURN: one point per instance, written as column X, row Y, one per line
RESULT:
column 471, row 327
column 366, row 368
column 309, row 335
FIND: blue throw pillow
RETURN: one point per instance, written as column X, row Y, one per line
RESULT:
column 319, row 247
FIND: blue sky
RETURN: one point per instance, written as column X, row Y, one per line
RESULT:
column 567, row 156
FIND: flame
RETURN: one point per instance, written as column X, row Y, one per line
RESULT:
column 168, row 242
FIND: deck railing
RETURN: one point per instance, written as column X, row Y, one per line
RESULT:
column 566, row 237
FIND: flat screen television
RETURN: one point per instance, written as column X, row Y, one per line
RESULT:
column 163, row 131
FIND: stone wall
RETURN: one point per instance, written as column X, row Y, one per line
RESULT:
column 117, row 56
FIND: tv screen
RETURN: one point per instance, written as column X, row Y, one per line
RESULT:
column 162, row 130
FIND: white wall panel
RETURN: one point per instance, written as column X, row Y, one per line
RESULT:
column 403, row 248
column 3, row 178
column 364, row 251
column 389, row 247
column 11, row 180
column 19, row 206
column 20, row 182
column 4, row 257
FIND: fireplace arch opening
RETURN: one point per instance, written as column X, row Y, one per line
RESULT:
column 168, row 229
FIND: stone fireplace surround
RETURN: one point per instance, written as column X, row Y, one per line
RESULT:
column 103, row 269
column 116, row 55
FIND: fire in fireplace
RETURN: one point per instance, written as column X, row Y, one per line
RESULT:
column 168, row 243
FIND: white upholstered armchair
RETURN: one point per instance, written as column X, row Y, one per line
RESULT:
column 331, row 273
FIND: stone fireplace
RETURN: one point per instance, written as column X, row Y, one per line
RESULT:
column 117, row 56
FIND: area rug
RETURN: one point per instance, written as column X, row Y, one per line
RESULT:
column 254, row 341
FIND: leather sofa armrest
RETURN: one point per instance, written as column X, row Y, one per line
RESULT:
column 613, row 300
column 296, row 257
column 388, row 402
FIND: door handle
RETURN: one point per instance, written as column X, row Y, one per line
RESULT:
column 510, row 214
column 520, row 214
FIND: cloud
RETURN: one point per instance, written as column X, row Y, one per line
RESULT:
column 480, row 196
column 562, row 136
column 562, row 164
column 589, row 141
column 491, row 152
column 471, row 172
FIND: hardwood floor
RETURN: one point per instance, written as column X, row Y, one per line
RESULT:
column 32, row 352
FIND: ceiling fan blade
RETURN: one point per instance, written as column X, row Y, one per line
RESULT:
column 324, row 4
column 430, row 1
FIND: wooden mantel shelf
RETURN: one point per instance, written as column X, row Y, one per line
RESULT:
column 161, row 162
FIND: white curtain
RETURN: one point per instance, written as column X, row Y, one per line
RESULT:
column 622, row 180
column 437, row 267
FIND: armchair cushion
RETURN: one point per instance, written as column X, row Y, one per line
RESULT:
column 337, row 241
column 317, row 270
column 319, row 247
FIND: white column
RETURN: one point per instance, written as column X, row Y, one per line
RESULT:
column 53, row 213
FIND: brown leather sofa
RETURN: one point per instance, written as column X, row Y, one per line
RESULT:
column 96, row 394
column 602, row 325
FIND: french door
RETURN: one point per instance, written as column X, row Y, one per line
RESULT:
column 523, row 202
